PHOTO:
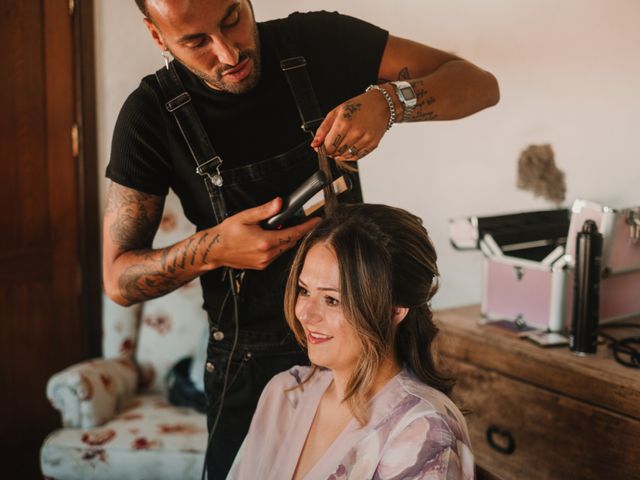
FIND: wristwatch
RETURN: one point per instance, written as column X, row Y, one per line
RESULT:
column 407, row 96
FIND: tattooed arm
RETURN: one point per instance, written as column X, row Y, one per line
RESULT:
column 134, row 272
column 447, row 87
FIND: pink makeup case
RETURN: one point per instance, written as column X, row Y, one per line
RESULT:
column 529, row 259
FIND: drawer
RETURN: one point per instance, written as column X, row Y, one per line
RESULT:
column 520, row 431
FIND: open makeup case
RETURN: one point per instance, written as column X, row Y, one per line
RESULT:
column 529, row 259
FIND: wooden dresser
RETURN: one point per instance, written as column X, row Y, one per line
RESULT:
column 541, row 413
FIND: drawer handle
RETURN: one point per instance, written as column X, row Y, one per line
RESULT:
column 505, row 444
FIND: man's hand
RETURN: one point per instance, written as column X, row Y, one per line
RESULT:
column 446, row 88
column 244, row 244
column 353, row 129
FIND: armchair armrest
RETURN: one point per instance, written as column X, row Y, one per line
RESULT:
column 91, row 393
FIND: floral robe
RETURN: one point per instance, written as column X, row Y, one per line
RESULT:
column 414, row 432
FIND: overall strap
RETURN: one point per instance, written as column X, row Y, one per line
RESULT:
column 294, row 68
column 178, row 103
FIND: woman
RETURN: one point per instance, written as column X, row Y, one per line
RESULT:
column 372, row 405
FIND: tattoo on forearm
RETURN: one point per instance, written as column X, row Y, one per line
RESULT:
column 424, row 99
column 185, row 253
column 402, row 75
column 152, row 276
column 422, row 95
column 418, row 116
column 213, row 241
column 350, row 109
column 158, row 272
column 134, row 218
column 195, row 249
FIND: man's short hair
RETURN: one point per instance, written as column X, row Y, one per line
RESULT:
column 142, row 5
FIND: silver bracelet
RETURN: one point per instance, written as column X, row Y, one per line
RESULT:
column 387, row 97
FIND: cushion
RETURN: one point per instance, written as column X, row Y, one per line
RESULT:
column 149, row 439
column 90, row 393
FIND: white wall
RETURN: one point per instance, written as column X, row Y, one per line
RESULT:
column 569, row 73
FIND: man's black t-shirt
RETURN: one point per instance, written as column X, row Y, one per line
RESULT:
column 148, row 153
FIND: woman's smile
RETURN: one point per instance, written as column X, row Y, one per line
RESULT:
column 317, row 337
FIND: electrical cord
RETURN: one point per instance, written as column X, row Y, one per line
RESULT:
column 234, row 290
column 626, row 351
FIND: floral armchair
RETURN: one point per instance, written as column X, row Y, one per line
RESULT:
column 117, row 422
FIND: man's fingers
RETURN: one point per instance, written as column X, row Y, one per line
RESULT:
column 323, row 129
column 350, row 151
column 288, row 237
column 363, row 152
column 278, row 242
column 261, row 212
column 334, row 142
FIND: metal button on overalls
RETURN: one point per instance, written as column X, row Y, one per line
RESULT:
column 218, row 336
column 210, row 367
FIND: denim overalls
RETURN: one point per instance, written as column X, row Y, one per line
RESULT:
column 258, row 356
column 251, row 357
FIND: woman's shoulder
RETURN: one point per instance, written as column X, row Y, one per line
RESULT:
column 429, row 398
column 424, row 416
column 427, row 443
column 433, row 406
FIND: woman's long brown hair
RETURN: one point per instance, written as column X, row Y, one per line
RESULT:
column 386, row 260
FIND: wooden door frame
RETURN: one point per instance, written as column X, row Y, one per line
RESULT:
column 50, row 302
column 89, row 210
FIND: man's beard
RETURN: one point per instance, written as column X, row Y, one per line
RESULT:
column 217, row 79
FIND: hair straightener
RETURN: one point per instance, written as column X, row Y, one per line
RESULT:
column 305, row 200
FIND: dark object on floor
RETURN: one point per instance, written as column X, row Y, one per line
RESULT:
column 182, row 391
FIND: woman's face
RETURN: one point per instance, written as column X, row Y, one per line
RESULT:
column 331, row 341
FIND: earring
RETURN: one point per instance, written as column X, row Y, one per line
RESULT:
column 165, row 57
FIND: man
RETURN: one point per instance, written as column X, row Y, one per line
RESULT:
column 230, row 67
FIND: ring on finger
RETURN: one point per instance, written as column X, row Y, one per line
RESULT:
column 352, row 150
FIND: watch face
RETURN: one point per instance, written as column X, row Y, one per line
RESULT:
column 407, row 93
